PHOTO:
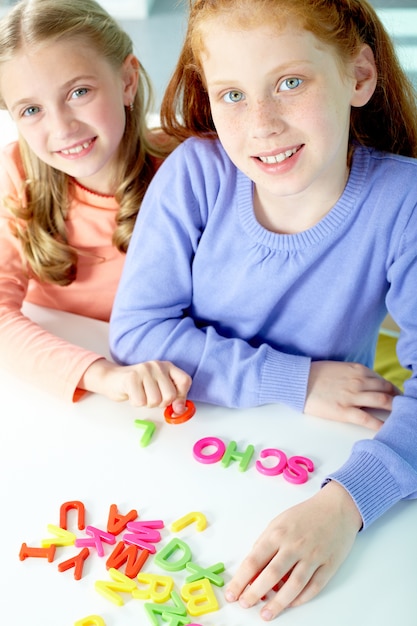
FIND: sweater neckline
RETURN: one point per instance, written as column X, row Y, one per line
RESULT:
column 94, row 193
column 327, row 225
column 86, row 197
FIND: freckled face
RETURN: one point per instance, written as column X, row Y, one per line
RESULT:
column 281, row 109
column 68, row 104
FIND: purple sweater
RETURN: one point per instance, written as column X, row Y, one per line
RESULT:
column 244, row 310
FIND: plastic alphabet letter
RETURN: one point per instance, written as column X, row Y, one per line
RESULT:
column 205, row 443
column 211, row 573
column 158, row 588
column 146, row 529
column 117, row 522
column 77, row 562
column 163, row 558
column 134, row 558
column 190, row 518
column 136, row 540
column 119, row 583
column 231, row 454
column 277, row 469
column 40, row 553
column 97, row 537
column 149, row 429
column 171, row 619
column 175, row 615
column 143, row 534
column 199, row 597
column 62, row 537
column 91, row 620
column 170, row 418
column 63, row 514
column 295, row 472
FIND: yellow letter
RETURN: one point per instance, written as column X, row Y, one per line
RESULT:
column 199, row 597
column 158, row 587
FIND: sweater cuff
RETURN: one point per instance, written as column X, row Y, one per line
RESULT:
column 284, row 379
column 370, row 484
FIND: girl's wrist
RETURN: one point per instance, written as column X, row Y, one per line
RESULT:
column 345, row 502
column 93, row 378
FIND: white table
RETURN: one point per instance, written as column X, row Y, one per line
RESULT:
column 52, row 453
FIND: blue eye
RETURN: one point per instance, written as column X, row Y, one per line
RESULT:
column 78, row 93
column 233, row 96
column 290, row 83
column 29, row 111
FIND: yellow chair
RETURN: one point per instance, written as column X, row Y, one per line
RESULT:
column 386, row 362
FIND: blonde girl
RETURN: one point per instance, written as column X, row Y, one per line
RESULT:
column 71, row 188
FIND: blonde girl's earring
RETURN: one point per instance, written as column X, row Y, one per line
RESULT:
column 131, row 107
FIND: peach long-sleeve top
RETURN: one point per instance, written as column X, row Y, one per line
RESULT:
column 26, row 349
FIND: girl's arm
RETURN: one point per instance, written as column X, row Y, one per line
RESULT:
column 27, row 350
column 64, row 369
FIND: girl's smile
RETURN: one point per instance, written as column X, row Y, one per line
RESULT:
column 279, row 163
column 278, row 158
column 81, row 149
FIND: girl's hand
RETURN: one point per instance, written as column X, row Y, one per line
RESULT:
column 344, row 391
column 151, row 384
column 305, row 546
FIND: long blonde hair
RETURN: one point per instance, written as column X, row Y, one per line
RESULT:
column 387, row 122
column 42, row 209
